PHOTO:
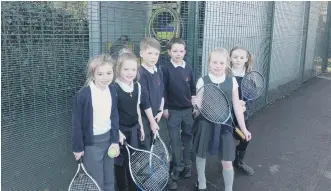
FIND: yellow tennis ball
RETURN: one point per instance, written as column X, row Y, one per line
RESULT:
column 112, row 152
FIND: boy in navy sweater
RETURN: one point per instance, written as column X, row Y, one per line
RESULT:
column 151, row 82
column 179, row 97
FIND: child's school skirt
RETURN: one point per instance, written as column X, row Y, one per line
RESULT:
column 132, row 135
column 213, row 140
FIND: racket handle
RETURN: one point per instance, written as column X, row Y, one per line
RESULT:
column 80, row 160
column 237, row 130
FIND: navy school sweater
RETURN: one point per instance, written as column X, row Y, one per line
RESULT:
column 179, row 86
column 82, row 119
column 152, row 89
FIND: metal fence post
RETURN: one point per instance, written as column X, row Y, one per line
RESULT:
column 193, row 9
column 191, row 33
column 304, row 40
column 327, row 39
column 270, row 50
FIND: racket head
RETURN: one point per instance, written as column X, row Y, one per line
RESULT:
column 213, row 104
column 164, row 24
column 83, row 181
column 252, row 85
column 148, row 173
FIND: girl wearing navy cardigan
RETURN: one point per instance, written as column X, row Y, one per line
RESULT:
column 131, row 128
column 95, row 122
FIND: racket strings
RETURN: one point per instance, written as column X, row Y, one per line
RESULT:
column 213, row 104
column 164, row 24
column 83, row 182
column 164, row 135
column 149, row 176
column 252, row 86
column 160, row 150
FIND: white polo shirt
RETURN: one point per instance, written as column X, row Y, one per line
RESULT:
column 238, row 72
column 175, row 65
column 154, row 69
column 129, row 88
column 101, row 103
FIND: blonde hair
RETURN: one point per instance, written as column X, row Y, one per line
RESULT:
column 249, row 63
column 94, row 63
column 123, row 55
column 225, row 53
column 149, row 42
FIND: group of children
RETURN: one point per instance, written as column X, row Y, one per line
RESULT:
column 107, row 113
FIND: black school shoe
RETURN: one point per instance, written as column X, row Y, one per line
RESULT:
column 175, row 175
column 186, row 173
column 197, row 186
column 172, row 185
column 239, row 163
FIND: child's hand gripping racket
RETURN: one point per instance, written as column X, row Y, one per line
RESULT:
column 148, row 171
column 213, row 104
column 82, row 181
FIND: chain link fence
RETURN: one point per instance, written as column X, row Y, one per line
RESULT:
column 46, row 45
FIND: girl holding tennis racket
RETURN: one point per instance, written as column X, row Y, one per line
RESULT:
column 209, row 139
column 241, row 64
column 131, row 129
column 95, row 122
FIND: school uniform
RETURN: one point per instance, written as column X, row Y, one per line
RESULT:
column 243, row 144
column 212, row 139
column 128, row 101
column 152, row 88
column 179, row 89
column 95, row 125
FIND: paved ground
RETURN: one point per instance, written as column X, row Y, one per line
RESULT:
column 291, row 146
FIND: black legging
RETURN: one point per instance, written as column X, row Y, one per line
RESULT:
column 123, row 176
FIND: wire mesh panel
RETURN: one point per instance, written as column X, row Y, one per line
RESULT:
column 46, row 45
column 44, row 49
column 125, row 24
column 247, row 24
column 315, row 39
column 285, row 74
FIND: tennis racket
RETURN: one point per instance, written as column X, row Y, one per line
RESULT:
column 148, row 171
column 165, row 23
column 164, row 135
column 213, row 104
column 252, row 85
column 82, row 181
column 160, row 149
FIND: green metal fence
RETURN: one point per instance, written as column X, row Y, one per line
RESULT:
column 45, row 46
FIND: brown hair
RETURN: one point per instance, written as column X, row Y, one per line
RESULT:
column 176, row 41
column 94, row 63
column 249, row 63
column 224, row 52
column 123, row 55
column 149, row 42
